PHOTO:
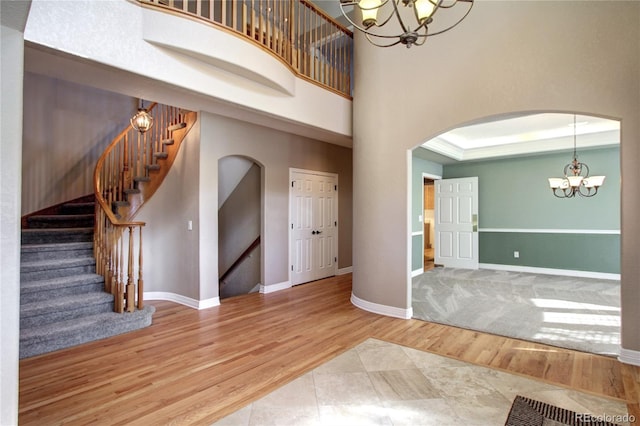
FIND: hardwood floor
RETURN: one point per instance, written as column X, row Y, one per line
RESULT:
column 194, row 367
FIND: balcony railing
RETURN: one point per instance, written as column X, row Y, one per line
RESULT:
column 315, row 46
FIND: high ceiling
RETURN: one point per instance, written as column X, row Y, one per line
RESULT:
column 523, row 135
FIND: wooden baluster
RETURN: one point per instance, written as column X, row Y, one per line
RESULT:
column 140, row 278
column 303, row 45
column 253, row 20
column 111, row 260
column 244, row 25
column 130, row 291
column 118, row 279
column 234, row 14
column 260, row 23
column 113, row 246
column 334, row 57
column 291, row 29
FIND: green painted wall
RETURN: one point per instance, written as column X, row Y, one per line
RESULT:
column 418, row 167
column 581, row 252
column 514, row 193
column 417, row 253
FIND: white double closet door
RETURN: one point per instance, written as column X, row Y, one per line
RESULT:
column 313, row 229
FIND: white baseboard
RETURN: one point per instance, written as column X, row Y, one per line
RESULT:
column 264, row 289
column 629, row 357
column 550, row 271
column 390, row 311
column 417, row 272
column 183, row 300
column 344, row 271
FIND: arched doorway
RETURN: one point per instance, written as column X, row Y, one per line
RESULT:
column 239, row 225
column 529, row 236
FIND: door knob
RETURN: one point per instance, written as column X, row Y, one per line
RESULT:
column 318, row 232
column 313, row 232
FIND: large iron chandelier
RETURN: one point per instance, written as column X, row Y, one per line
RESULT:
column 576, row 180
column 412, row 33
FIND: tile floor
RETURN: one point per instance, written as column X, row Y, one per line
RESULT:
column 380, row 383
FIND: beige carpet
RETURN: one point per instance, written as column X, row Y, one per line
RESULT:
column 380, row 383
column 569, row 312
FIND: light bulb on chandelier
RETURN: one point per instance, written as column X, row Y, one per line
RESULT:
column 375, row 14
column 576, row 180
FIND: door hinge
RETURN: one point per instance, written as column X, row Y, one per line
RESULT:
column 291, row 268
column 335, row 259
column 292, row 183
column 335, row 187
column 335, row 223
column 292, row 226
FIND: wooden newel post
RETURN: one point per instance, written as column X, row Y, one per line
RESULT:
column 129, row 291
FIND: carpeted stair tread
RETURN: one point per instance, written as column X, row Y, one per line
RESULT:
column 78, row 208
column 30, row 248
column 60, row 221
column 57, row 235
column 66, row 303
column 59, row 231
column 63, row 334
column 177, row 126
column 42, row 265
column 59, row 283
column 36, row 252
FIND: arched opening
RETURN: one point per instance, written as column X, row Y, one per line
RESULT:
column 239, row 226
column 549, row 268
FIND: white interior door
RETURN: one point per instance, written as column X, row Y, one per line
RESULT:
column 314, row 226
column 456, row 224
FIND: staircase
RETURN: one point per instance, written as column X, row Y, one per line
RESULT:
column 62, row 300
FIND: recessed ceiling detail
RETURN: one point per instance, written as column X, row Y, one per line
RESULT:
column 529, row 134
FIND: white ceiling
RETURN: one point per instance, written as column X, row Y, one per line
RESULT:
column 526, row 134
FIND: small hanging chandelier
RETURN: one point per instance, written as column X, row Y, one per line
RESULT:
column 142, row 120
column 576, row 179
column 423, row 12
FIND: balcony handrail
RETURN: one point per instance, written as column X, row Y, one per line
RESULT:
column 311, row 43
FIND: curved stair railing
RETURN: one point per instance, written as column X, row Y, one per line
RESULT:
column 311, row 43
column 126, row 175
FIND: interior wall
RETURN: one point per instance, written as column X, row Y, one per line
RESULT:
column 69, row 127
column 170, row 249
column 514, row 192
column 276, row 152
column 533, row 56
column 514, row 196
column 11, row 161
